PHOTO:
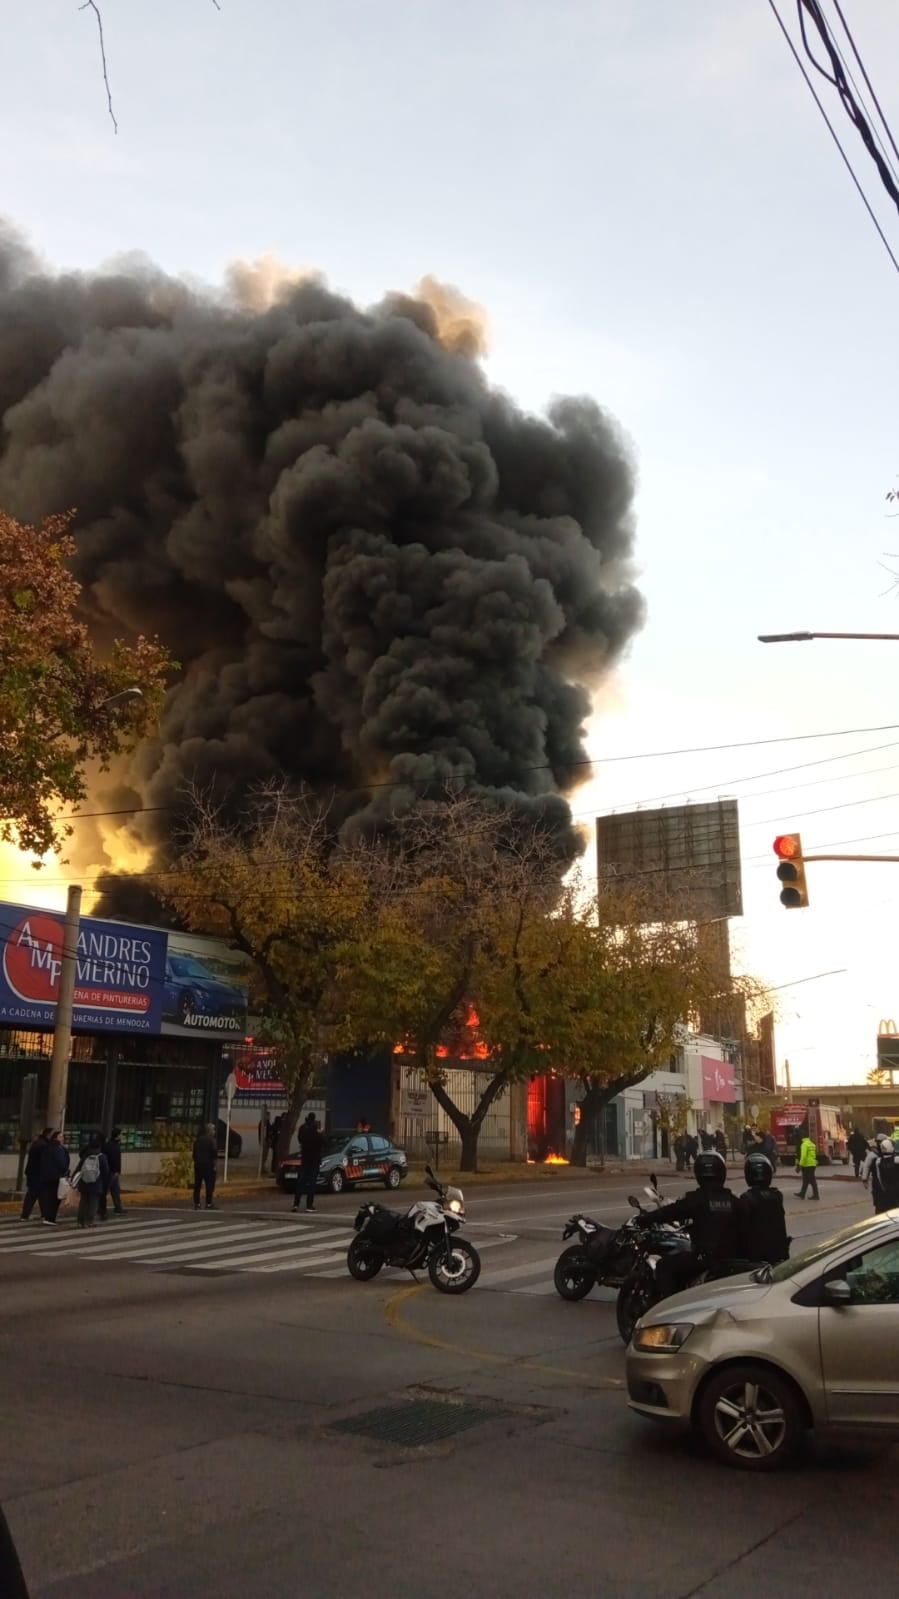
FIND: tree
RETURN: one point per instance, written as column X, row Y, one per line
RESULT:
column 462, row 931
column 620, row 1001
column 276, row 885
column 61, row 703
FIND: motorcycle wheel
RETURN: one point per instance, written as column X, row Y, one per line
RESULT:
column 363, row 1262
column 633, row 1301
column 574, row 1276
column 455, row 1270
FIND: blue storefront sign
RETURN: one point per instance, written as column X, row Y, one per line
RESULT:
column 120, row 975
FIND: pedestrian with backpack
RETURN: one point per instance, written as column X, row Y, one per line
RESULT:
column 92, row 1177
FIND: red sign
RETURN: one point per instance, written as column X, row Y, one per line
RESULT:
column 718, row 1082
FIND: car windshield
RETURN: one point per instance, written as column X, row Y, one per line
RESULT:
column 335, row 1143
column 809, row 1257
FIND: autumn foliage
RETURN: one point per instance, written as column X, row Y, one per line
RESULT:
column 55, row 688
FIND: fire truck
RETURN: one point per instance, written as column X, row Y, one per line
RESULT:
column 824, row 1123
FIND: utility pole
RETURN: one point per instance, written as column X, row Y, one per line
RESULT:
column 62, row 1031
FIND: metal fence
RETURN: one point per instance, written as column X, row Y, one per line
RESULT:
column 464, row 1085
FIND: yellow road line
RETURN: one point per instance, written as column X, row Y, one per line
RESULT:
column 397, row 1322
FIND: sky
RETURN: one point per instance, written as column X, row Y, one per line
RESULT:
column 646, row 202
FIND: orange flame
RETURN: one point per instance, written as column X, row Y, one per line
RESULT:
column 555, row 1160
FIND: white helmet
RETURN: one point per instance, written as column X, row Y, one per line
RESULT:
column 885, row 1145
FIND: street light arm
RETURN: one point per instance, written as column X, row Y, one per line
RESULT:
column 801, row 638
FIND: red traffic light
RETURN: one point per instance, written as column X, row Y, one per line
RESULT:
column 787, row 846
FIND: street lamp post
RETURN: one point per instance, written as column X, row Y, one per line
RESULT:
column 803, row 638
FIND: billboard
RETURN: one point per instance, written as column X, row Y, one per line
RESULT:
column 118, row 978
column 128, row 978
column 718, row 1082
column 683, row 860
column 205, row 988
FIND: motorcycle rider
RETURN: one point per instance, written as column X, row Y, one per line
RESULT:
column 885, row 1177
column 761, row 1210
column 709, row 1212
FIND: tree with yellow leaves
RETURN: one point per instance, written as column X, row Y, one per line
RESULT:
column 62, row 702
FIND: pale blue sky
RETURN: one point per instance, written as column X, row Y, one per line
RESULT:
column 644, row 199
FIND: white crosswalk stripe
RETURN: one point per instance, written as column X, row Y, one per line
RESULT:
column 178, row 1243
column 229, row 1243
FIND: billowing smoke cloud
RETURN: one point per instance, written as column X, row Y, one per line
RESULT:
column 375, row 569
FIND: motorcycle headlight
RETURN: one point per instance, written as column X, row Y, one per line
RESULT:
column 456, row 1206
column 663, row 1339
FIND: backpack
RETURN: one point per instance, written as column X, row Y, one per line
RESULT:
column 888, row 1179
column 90, row 1170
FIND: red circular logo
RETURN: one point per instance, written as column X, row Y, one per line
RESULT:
column 32, row 958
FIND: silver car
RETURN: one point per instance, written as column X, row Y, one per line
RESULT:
column 753, row 1362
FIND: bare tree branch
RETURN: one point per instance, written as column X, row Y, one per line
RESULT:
column 91, row 5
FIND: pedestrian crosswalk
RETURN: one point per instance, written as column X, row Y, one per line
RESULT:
column 228, row 1243
column 204, row 1243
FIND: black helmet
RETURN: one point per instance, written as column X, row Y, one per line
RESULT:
column 710, row 1169
column 758, row 1171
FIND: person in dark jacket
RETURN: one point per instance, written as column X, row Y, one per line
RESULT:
column 709, row 1212
column 33, row 1172
column 54, row 1164
column 721, row 1143
column 205, row 1158
column 112, row 1149
column 92, row 1173
column 763, row 1224
column 857, row 1145
column 311, row 1146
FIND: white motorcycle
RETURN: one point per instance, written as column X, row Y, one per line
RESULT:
column 422, row 1236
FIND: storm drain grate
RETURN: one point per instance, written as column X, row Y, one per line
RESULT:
column 418, row 1422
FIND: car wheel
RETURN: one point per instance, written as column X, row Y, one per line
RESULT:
column 337, row 1181
column 574, row 1276
column 750, row 1417
column 394, row 1178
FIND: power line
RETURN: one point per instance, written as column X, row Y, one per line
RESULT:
column 588, row 760
column 838, row 79
column 833, row 134
column 848, row 32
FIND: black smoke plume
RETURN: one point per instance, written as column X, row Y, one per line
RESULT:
column 377, row 572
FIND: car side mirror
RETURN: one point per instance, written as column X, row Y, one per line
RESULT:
column 838, row 1292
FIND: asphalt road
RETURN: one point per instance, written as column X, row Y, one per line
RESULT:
column 175, row 1388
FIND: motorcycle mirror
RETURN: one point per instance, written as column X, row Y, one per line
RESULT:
column 654, row 1181
column 634, row 1202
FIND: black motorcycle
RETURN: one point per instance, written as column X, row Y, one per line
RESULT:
column 418, row 1238
column 604, row 1257
column 640, row 1291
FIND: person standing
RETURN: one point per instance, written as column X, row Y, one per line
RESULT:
column 92, row 1173
column 54, row 1165
column 33, row 1173
column 310, row 1158
column 857, row 1145
column 112, row 1149
column 205, row 1154
column 884, row 1174
column 807, row 1166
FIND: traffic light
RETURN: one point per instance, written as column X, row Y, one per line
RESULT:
column 791, row 871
